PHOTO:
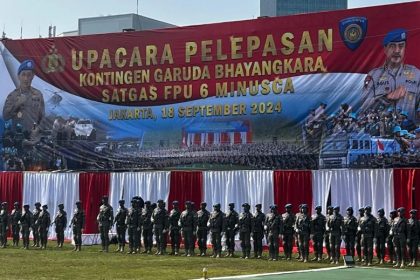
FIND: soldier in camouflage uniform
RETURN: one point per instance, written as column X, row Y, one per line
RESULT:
column 399, row 230
column 231, row 221
column 202, row 231
column 258, row 221
column 174, row 230
column 289, row 220
column 274, row 228
column 349, row 230
column 120, row 224
column 217, row 228
column 244, row 227
column 160, row 226
column 318, row 231
column 78, row 224
column 4, row 225
column 327, row 234
column 44, row 222
column 368, row 228
column 390, row 238
column 381, row 235
column 335, row 227
column 25, row 225
column 105, row 220
column 188, row 223
column 35, row 228
column 15, row 219
column 303, row 231
column 146, row 217
column 132, row 223
column 60, row 221
column 413, row 237
column 359, row 235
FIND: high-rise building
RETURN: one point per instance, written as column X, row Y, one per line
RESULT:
column 274, row 8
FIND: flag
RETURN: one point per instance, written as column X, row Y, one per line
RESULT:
column 381, row 147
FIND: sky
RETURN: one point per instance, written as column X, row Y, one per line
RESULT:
column 31, row 18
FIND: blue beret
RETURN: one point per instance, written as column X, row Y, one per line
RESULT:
column 396, row 35
column 28, row 64
column 404, row 113
column 417, row 130
column 396, row 129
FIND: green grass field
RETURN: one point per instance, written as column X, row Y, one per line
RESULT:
column 55, row 263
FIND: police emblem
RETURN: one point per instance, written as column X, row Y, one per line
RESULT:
column 353, row 31
column 53, row 62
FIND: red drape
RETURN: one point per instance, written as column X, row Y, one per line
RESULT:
column 92, row 187
column 184, row 186
column 293, row 187
column 407, row 188
column 11, row 188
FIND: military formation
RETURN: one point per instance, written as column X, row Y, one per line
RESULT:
column 146, row 221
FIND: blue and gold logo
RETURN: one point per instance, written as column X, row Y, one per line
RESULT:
column 353, row 31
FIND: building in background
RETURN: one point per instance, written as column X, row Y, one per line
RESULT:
column 274, row 8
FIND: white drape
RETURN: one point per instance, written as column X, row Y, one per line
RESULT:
column 52, row 189
column 251, row 186
column 149, row 185
column 321, row 184
column 359, row 188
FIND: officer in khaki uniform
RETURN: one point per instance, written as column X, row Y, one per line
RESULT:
column 105, row 220
column 303, row 231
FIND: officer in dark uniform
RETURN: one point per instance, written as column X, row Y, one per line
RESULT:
column 174, row 229
column 258, row 221
column 132, row 222
column 25, row 225
column 368, row 228
column 160, row 226
column 120, row 224
column 44, row 222
column 399, row 231
column 231, row 221
column 217, row 228
column 78, row 224
column 202, row 231
column 105, row 220
column 299, row 256
column 390, row 238
column 349, row 230
column 147, row 227
column 14, row 219
column 413, row 237
column 244, row 227
column 4, row 224
column 335, row 226
column 303, row 231
column 273, row 228
column 381, row 235
column 35, row 228
column 188, row 223
column 318, row 231
column 60, row 221
column 330, row 210
column 289, row 220
column 194, row 232
column 359, row 235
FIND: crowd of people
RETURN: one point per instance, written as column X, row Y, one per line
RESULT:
column 145, row 221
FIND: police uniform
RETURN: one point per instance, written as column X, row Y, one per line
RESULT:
column 273, row 228
column 160, row 226
column 188, row 223
column 217, row 228
column 60, row 221
column 368, row 228
column 303, row 231
column 231, row 221
column 359, row 235
column 318, row 231
column 349, row 230
column 120, row 224
column 381, row 236
column 258, row 221
column 390, row 238
column 78, row 223
column 289, row 220
column 327, row 233
column 31, row 110
column 132, row 223
column 105, row 220
column 174, row 230
column 147, row 226
column 35, row 227
column 335, row 226
column 25, row 226
column 44, row 222
column 202, row 231
column 245, row 228
column 383, row 80
column 399, row 230
column 413, row 237
column 15, row 216
column 4, row 225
